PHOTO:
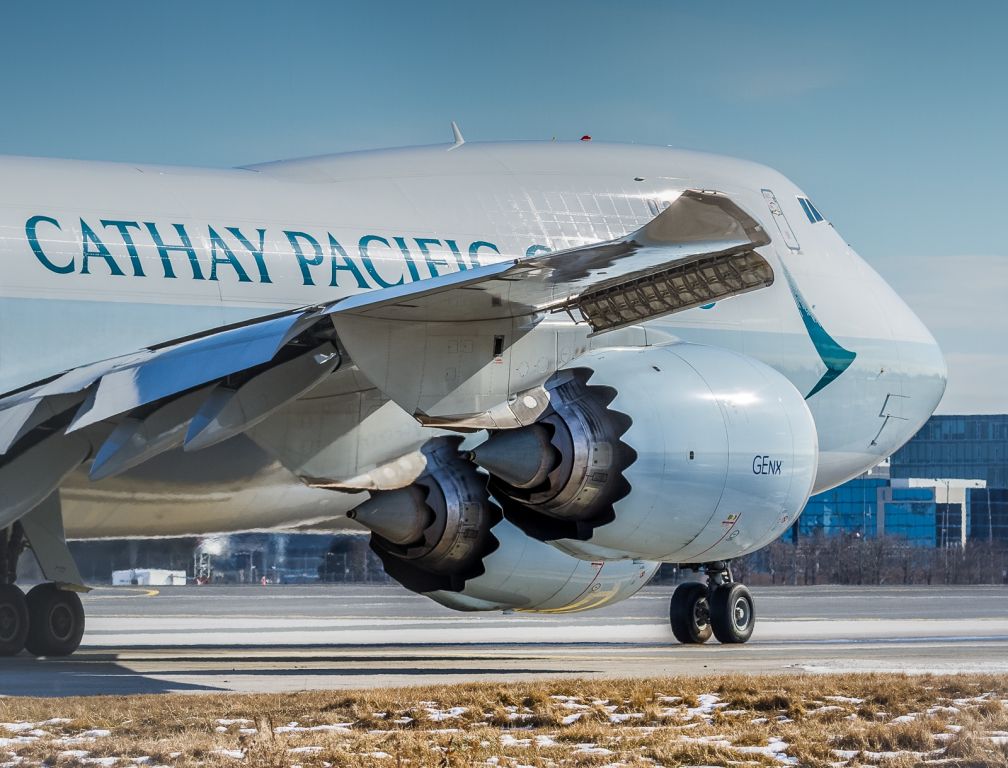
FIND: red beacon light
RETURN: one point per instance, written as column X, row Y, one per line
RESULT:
column 586, row 137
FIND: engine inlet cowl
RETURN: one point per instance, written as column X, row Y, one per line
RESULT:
column 676, row 452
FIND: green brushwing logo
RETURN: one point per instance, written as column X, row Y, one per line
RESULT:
column 834, row 357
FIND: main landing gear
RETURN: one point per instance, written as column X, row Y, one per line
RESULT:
column 49, row 620
column 721, row 607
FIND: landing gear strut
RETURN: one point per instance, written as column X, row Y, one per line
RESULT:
column 721, row 607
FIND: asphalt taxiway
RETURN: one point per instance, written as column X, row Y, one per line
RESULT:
column 287, row 638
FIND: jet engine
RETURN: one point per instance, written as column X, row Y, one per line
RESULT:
column 680, row 452
column 444, row 537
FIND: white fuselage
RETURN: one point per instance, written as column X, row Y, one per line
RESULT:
column 103, row 259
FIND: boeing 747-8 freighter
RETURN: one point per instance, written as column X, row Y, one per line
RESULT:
column 533, row 371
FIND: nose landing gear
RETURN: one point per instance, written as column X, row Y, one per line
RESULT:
column 721, row 607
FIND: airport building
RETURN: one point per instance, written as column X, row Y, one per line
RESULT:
column 947, row 486
column 957, row 446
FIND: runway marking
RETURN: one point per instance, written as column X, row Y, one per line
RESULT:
column 136, row 592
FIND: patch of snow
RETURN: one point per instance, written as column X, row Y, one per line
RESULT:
column 237, row 754
column 904, row 718
column 232, row 721
column 622, row 717
column 101, row 760
column 708, row 703
column 544, row 740
column 592, row 749
column 844, row 699
column 950, row 710
column 95, row 733
column 972, row 699
column 304, row 750
column 445, row 714
column 570, row 719
column 327, row 727
column 775, row 749
column 507, row 740
column 18, row 727
column 715, row 741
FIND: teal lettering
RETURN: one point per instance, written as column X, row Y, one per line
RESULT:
column 334, row 249
column 131, row 249
column 453, row 247
column 410, row 264
column 474, row 250
column 164, row 250
column 533, row 250
column 30, row 232
column 369, row 265
column 217, row 244
column 257, row 254
column 303, row 261
column 422, row 243
column 89, row 239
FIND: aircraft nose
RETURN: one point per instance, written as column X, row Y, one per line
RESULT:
column 925, row 371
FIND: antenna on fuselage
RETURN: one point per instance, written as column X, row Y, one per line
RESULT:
column 458, row 140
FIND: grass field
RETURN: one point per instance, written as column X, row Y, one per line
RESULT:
column 850, row 720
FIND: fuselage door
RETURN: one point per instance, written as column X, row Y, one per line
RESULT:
column 782, row 223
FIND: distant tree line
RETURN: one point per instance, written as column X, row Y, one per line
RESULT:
column 814, row 559
column 852, row 559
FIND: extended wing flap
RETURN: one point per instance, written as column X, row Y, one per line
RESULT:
column 177, row 368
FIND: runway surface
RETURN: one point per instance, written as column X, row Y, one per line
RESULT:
column 288, row 638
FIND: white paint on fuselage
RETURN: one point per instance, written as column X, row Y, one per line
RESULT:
column 513, row 195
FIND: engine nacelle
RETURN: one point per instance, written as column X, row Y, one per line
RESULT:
column 680, row 452
column 444, row 537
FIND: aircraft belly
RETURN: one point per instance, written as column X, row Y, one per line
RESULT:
column 232, row 486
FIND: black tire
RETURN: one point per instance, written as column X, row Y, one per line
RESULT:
column 13, row 620
column 56, row 621
column 732, row 613
column 689, row 614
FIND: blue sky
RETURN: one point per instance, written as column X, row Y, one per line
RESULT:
column 893, row 116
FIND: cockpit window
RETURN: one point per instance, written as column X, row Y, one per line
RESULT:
column 810, row 210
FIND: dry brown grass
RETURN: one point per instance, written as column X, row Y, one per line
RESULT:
column 822, row 720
